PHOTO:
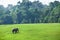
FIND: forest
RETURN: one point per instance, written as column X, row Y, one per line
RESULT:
column 30, row 12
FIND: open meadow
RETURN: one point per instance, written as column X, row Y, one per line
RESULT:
column 49, row 31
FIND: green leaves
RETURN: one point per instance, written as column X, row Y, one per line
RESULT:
column 30, row 12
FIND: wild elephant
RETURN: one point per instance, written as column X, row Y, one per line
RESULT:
column 15, row 30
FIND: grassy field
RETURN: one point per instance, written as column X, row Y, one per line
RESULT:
column 31, row 32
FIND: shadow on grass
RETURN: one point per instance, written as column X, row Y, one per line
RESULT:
column 1, row 36
column 57, row 36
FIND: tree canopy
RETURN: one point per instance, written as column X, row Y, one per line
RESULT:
column 30, row 12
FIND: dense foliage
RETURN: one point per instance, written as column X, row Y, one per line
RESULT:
column 30, row 12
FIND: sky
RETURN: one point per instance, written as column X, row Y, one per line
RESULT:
column 14, row 2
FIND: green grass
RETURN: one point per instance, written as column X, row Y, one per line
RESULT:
column 42, row 31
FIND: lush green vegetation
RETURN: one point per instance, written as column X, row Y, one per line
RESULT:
column 30, row 12
column 50, row 31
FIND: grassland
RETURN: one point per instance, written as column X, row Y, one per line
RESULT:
column 49, row 31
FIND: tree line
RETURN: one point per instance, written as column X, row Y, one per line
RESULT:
column 30, row 12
